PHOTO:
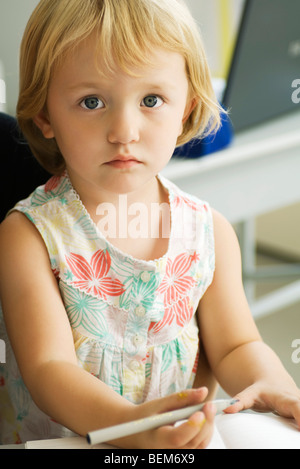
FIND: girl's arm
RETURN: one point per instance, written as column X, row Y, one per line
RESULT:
column 244, row 366
column 42, row 340
column 41, row 336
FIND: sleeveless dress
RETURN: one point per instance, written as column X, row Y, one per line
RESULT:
column 133, row 321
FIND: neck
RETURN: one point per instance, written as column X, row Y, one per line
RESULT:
column 97, row 200
column 137, row 223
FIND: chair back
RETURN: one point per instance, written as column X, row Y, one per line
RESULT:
column 20, row 172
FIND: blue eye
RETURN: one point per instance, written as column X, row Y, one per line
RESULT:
column 92, row 103
column 152, row 101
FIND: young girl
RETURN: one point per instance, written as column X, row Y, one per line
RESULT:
column 106, row 329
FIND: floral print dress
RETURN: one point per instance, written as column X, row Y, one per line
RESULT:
column 133, row 321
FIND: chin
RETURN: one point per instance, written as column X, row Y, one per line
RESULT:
column 125, row 184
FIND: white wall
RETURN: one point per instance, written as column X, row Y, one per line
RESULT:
column 218, row 21
column 278, row 233
column 13, row 18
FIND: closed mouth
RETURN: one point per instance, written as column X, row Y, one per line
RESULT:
column 123, row 161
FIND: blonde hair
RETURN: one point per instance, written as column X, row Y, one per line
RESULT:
column 127, row 31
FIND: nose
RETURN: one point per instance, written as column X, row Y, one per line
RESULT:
column 123, row 127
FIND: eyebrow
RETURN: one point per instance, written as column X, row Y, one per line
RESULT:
column 89, row 85
column 100, row 87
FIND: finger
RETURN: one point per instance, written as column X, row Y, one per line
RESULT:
column 190, row 397
column 204, row 437
column 296, row 412
column 236, row 407
column 244, row 400
column 203, row 423
column 189, row 434
column 287, row 406
column 176, row 401
column 200, row 422
column 186, row 436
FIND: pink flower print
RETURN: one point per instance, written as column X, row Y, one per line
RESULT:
column 18, row 440
column 174, row 287
column 52, row 183
column 182, row 311
column 195, row 367
column 178, row 201
column 175, row 283
column 56, row 273
column 194, row 205
column 92, row 277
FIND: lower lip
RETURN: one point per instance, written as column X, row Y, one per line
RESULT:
column 123, row 164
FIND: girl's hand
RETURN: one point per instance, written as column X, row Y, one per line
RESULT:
column 262, row 397
column 194, row 433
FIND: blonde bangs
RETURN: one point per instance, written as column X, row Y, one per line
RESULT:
column 130, row 30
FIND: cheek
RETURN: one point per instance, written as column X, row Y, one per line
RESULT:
column 175, row 129
column 67, row 133
column 162, row 146
column 170, row 126
column 177, row 121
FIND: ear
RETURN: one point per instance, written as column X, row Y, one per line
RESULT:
column 190, row 106
column 42, row 121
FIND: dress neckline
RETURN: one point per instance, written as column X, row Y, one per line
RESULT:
column 118, row 253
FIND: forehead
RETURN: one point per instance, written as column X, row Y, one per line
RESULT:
column 86, row 61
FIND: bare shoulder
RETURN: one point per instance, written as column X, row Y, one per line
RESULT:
column 226, row 241
column 227, row 282
column 14, row 220
column 17, row 234
column 15, row 223
column 22, row 253
column 221, row 224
